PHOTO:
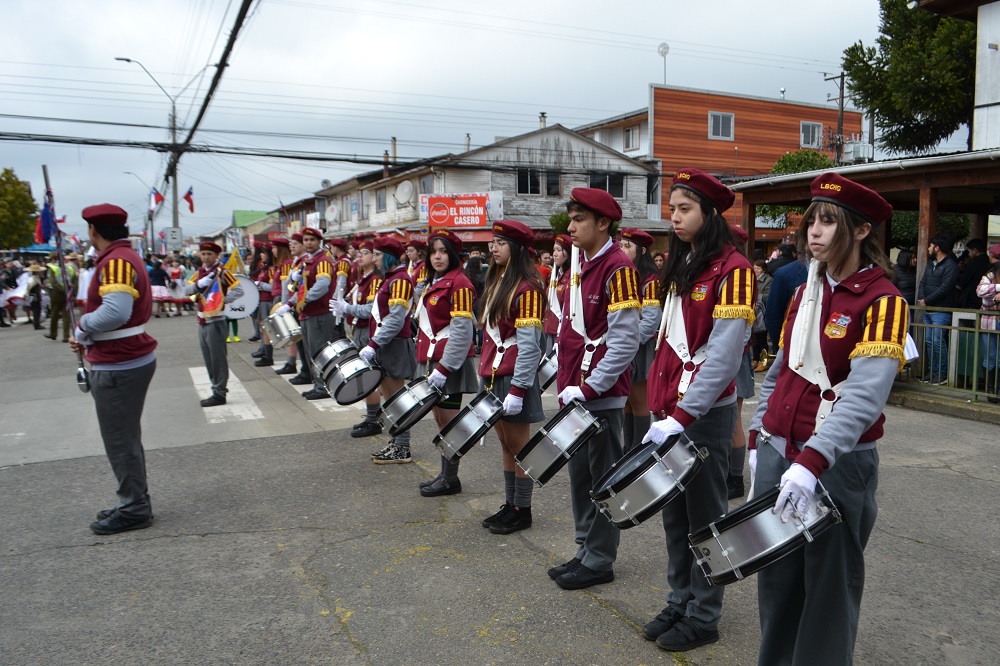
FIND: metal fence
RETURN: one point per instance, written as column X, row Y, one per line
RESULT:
column 959, row 351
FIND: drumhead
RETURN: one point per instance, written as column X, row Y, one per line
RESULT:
column 736, row 516
column 631, row 466
column 558, row 460
column 414, row 400
column 245, row 305
column 495, row 411
column 354, row 379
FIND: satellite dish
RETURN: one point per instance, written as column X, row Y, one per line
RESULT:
column 404, row 191
column 325, row 183
column 332, row 213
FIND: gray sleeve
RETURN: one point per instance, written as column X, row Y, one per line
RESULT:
column 724, row 355
column 264, row 286
column 319, row 289
column 459, row 340
column 233, row 294
column 392, row 324
column 649, row 323
column 361, row 310
column 191, row 288
column 766, row 389
column 114, row 310
column 529, row 353
column 861, row 401
column 622, row 342
column 341, row 286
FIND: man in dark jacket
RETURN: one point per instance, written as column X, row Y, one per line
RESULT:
column 786, row 255
column 976, row 267
column 937, row 290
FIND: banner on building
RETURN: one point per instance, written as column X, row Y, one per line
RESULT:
column 466, row 210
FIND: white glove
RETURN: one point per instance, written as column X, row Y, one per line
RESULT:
column 296, row 275
column 283, row 309
column 206, row 281
column 569, row 394
column 438, row 379
column 512, row 405
column 753, row 465
column 82, row 337
column 367, row 353
column 338, row 306
column 660, row 431
column 798, row 487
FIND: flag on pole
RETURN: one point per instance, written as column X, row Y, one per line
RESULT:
column 189, row 197
column 46, row 226
column 75, row 240
column 155, row 199
column 235, row 263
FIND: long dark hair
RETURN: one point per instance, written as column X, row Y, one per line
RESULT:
column 502, row 282
column 454, row 261
column 644, row 263
column 682, row 265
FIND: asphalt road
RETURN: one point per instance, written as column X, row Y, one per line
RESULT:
column 278, row 541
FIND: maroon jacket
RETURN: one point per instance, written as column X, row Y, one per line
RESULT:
column 120, row 269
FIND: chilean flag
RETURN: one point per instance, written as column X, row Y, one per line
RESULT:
column 213, row 300
column 189, row 197
column 155, row 199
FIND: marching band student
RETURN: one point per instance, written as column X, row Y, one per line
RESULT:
column 358, row 311
column 513, row 301
column 710, row 293
column 558, row 288
column 597, row 342
column 844, row 334
column 416, row 265
column 291, row 286
column 212, row 317
column 391, row 336
column 264, row 278
column 313, row 276
column 445, row 353
column 282, row 268
column 636, row 243
column 342, row 269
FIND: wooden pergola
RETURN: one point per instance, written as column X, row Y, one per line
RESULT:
column 966, row 182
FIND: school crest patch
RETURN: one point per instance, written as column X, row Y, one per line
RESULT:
column 837, row 326
column 699, row 292
column 433, row 300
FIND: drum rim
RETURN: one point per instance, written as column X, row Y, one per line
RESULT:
column 554, row 468
column 601, row 492
column 345, row 379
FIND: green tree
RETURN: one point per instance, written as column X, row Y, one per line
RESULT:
column 918, row 81
column 797, row 162
column 905, row 225
column 18, row 212
column 559, row 222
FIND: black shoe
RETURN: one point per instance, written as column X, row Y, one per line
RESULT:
column 105, row 513
column 116, row 523
column 4, row 324
column 214, row 401
column 684, row 636
column 257, row 354
column 263, row 361
column 489, row 521
column 441, row 487
column 581, row 577
column 517, row 519
column 367, row 429
column 287, row 369
column 300, row 380
column 315, row 394
column 394, row 455
column 555, row 572
column 51, row 337
column 662, row 623
column 255, row 338
column 735, row 485
column 430, row 482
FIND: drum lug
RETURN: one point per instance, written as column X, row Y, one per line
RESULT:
column 703, row 453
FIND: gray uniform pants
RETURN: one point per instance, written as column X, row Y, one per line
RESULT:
column 704, row 500
column 212, row 337
column 810, row 600
column 599, row 548
column 316, row 332
column 119, row 396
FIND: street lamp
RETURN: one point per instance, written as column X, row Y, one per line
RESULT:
column 663, row 49
column 173, row 124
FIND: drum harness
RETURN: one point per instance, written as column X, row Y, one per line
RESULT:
column 576, row 316
column 424, row 324
column 376, row 315
column 672, row 324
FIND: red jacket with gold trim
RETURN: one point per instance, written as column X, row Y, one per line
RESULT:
column 119, row 268
column 451, row 296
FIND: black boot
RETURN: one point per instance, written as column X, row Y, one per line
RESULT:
column 992, row 390
column 288, row 368
column 447, row 482
column 267, row 359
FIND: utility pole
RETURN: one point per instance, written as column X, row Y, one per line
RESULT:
column 839, row 139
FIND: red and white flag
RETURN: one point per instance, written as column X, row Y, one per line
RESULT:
column 189, row 197
column 155, row 199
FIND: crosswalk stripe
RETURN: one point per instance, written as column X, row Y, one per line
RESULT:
column 239, row 405
column 328, row 404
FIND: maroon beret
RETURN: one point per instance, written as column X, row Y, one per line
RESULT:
column 315, row 233
column 283, row 242
column 739, row 233
column 338, row 242
column 105, row 214
column 210, row 246
column 512, row 230
column 637, row 236
column 450, row 236
column 994, row 249
column 707, row 186
column 387, row 244
column 365, row 244
column 297, row 238
column 599, row 201
column 564, row 240
column 417, row 243
column 834, row 188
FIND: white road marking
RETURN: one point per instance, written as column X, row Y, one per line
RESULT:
column 239, row 405
column 328, row 404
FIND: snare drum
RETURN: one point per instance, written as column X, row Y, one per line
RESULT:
column 409, row 404
column 469, row 425
column 332, row 353
column 753, row 537
column 556, row 442
column 547, row 370
column 282, row 329
column 646, row 479
column 245, row 305
column 352, row 379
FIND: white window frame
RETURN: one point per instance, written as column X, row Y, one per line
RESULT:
column 426, row 182
column 732, row 126
column 818, row 145
column 381, row 200
column 630, row 138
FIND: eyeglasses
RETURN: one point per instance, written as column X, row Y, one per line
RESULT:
column 364, row 252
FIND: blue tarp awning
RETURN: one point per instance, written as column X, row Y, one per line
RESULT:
column 38, row 248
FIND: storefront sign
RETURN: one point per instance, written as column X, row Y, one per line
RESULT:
column 468, row 210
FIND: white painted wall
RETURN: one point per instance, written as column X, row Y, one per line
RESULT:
column 986, row 117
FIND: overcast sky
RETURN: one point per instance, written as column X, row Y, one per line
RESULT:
column 352, row 74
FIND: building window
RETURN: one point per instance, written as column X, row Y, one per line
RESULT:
column 380, row 200
column 363, row 205
column 720, row 126
column 811, row 134
column 426, row 184
column 552, row 183
column 632, row 138
column 612, row 183
column 528, row 181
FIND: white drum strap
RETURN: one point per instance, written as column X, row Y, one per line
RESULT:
column 376, row 315
column 501, row 345
column 576, row 315
column 424, row 322
column 674, row 331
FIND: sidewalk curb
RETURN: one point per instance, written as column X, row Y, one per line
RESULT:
column 948, row 406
